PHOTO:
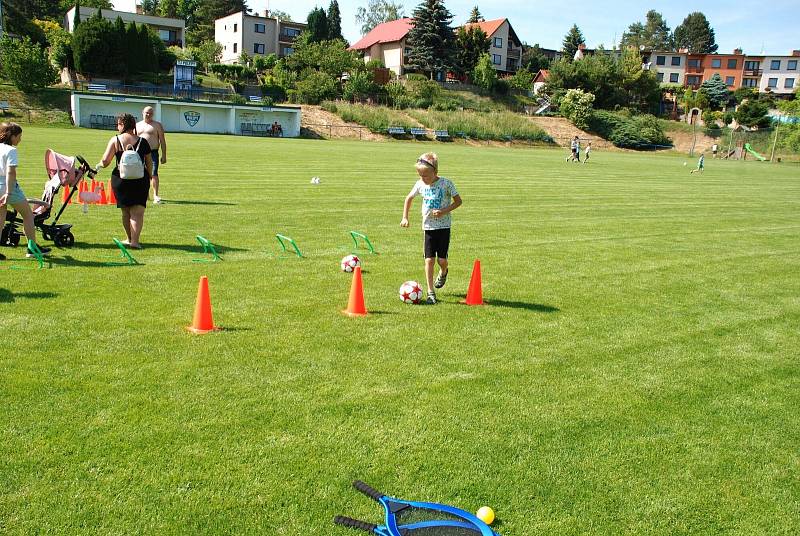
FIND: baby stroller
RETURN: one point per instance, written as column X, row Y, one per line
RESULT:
column 61, row 171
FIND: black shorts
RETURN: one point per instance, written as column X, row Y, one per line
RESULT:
column 437, row 242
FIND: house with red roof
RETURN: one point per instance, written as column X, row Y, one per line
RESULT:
column 387, row 43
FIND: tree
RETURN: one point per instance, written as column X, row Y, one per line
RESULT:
column 201, row 14
column 432, row 39
column 26, row 64
column 522, row 79
column 334, row 21
column 654, row 34
column 206, row 53
column 150, row 7
column 577, row 107
column 471, row 44
column 475, row 16
column 696, row 35
column 280, row 15
column 534, row 59
column 716, row 91
column 317, row 25
column 484, row 75
column 572, row 41
column 753, row 114
column 377, row 12
column 76, row 17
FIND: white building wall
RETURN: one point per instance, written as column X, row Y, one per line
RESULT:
column 502, row 34
column 668, row 69
column 228, row 33
column 780, row 75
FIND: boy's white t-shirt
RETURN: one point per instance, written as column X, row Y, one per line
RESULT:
column 437, row 195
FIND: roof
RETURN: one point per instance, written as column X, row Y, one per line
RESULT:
column 541, row 76
column 387, row 32
column 488, row 26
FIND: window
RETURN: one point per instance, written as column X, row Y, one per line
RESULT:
column 694, row 63
column 751, row 65
column 661, row 60
column 261, row 28
column 235, row 46
column 716, row 63
column 788, row 83
column 676, row 61
column 791, row 65
column 773, row 82
column 750, row 82
column 498, row 42
column 168, row 35
column 235, row 27
column 258, row 48
column 730, row 80
column 496, row 59
column 775, row 65
column 290, row 32
column 288, row 51
column 660, row 77
column 732, row 64
column 673, row 77
column 693, row 80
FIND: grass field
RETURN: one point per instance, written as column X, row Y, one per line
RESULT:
column 635, row 371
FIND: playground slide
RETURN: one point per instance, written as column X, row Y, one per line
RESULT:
column 752, row 152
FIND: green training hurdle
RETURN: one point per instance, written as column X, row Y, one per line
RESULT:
column 209, row 248
column 355, row 235
column 33, row 247
column 125, row 254
column 282, row 239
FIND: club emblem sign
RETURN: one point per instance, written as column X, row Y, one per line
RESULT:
column 191, row 117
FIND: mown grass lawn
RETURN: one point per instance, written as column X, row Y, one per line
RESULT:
column 635, row 371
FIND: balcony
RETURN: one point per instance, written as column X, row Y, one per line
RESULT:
column 512, row 65
column 698, row 70
column 284, row 37
column 513, row 53
column 753, row 72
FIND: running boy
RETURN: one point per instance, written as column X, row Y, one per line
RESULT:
column 587, row 152
column 439, row 199
column 700, row 163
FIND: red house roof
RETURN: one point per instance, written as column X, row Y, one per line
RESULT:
column 388, row 32
column 542, row 76
column 488, row 26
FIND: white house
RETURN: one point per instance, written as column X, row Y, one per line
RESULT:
column 255, row 35
column 780, row 74
column 670, row 67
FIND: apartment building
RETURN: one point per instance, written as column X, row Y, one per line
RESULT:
column 780, row 74
column 171, row 31
column 256, row 35
column 670, row 67
column 505, row 48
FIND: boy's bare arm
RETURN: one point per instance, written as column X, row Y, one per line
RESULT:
column 438, row 213
column 406, row 208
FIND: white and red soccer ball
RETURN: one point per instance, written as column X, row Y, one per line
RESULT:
column 350, row 262
column 410, row 292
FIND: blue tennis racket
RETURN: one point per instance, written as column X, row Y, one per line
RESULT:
column 411, row 518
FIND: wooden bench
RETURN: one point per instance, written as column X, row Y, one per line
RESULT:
column 441, row 135
column 108, row 122
column 418, row 132
column 4, row 106
column 247, row 129
column 96, row 87
column 396, row 131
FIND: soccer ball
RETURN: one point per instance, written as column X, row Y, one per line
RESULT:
column 349, row 263
column 410, row 292
column 315, row 180
column 684, row 163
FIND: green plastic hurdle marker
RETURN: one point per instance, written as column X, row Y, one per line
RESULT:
column 125, row 254
column 356, row 235
column 209, row 248
column 33, row 247
column 283, row 239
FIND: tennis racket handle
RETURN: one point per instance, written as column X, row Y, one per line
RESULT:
column 367, row 490
column 354, row 523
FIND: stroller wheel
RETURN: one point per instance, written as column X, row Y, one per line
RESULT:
column 64, row 239
column 14, row 239
column 46, row 235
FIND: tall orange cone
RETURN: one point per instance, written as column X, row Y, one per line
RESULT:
column 475, row 292
column 66, row 195
column 103, row 198
column 355, row 306
column 112, row 199
column 203, row 321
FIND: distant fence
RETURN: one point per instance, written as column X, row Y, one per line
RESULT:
column 204, row 94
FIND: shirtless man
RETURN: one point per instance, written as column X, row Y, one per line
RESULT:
column 153, row 132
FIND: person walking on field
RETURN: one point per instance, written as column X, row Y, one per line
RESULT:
column 588, row 152
column 153, row 131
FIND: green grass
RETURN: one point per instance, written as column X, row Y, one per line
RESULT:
column 635, row 371
column 483, row 125
column 46, row 107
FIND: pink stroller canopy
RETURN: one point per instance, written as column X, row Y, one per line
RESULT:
column 62, row 167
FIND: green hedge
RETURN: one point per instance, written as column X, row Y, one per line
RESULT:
column 483, row 125
column 375, row 118
column 628, row 131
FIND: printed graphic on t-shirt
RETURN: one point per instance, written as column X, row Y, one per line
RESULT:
column 436, row 196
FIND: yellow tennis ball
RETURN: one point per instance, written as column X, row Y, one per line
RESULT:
column 485, row 514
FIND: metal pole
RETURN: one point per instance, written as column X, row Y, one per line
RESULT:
column 775, row 141
column 694, row 136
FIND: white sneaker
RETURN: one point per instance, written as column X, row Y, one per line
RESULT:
column 156, row 200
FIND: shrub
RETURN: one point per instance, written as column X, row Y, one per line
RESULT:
column 634, row 132
column 482, row 125
column 314, row 88
column 576, row 105
column 26, row 64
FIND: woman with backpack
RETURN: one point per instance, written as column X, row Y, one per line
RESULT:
column 130, row 179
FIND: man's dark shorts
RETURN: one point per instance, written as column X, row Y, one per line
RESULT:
column 437, row 242
column 154, row 156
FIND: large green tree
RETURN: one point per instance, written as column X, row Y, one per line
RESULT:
column 26, row 64
column 201, row 14
column 696, row 34
column 432, row 39
column 334, row 21
column 534, row 59
column 654, row 34
column 572, row 41
column 377, row 12
column 716, row 91
column 475, row 16
column 471, row 44
column 317, row 25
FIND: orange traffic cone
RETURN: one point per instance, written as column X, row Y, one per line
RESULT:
column 94, row 186
column 66, row 195
column 475, row 292
column 355, row 306
column 203, row 321
column 103, row 198
column 112, row 199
